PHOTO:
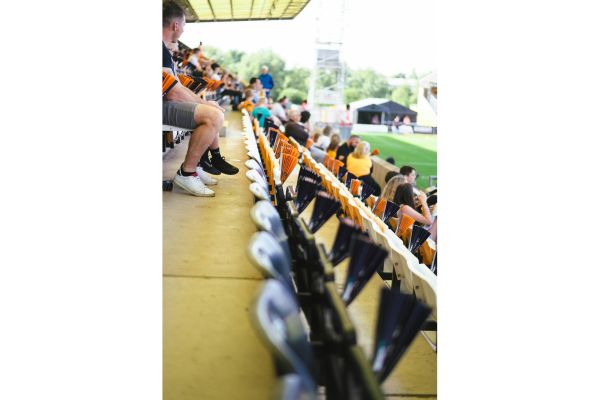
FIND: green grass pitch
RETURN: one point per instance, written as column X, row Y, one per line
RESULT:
column 417, row 150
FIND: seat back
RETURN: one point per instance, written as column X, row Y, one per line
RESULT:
column 254, row 176
column 259, row 192
column 381, row 239
column 425, row 286
column 401, row 258
column 294, row 387
column 252, row 164
column 267, row 255
column 276, row 316
column 266, row 218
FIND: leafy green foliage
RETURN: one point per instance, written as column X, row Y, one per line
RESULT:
column 294, row 82
column 294, row 95
column 367, row 83
column 404, row 95
column 297, row 79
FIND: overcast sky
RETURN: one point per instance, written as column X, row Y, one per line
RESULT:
column 389, row 36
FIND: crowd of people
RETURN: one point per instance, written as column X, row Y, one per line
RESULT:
column 183, row 108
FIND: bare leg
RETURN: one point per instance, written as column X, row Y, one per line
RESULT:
column 215, row 143
column 209, row 121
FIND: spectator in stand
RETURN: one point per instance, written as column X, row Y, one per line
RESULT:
column 278, row 109
column 334, row 144
column 208, row 71
column 256, row 87
column 391, row 160
column 392, row 174
column 216, row 68
column 247, row 104
column 346, row 123
column 375, row 120
column 392, row 180
column 404, row 197
column 409, row 173
column 261, row 108
column 185, row 109
column 396, row 124
column 304, row 118
column 359, row 163
column 201, row 57
column 406, row 126
column 266, row 80
column 324, row 138
column 193, row 60
column 304, row 105
column 295, row 129
column 230, row 89
column 315, row 137
column 347, row 148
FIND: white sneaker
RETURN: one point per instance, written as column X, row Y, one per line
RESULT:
column 205, row 177
column 193, row 184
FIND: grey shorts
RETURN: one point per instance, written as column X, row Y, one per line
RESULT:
column 179, row 114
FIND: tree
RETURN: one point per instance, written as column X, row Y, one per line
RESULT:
column 294, row 95
column 404, row 95
column 297, row 79
column 352, row 94
column 250, row 64
column 366, row 83
column 231, row 60
column 212, row 52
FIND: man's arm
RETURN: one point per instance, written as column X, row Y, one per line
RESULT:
column 183, row 94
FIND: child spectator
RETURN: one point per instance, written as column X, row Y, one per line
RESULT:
column 261, row 108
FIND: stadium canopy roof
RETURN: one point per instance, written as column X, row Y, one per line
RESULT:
column 241, row 10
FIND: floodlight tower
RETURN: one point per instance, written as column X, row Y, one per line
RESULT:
column 329, row 40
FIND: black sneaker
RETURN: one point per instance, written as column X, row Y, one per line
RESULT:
column 208, row 167
column 223, row 166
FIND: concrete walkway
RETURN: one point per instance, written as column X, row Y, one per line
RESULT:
column 210, row 349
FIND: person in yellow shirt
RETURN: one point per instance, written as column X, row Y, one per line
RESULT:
column 359, row 163
column 334, row 143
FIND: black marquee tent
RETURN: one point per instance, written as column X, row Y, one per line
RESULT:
column 384, row 112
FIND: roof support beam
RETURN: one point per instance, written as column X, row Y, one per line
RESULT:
column 190, row 9
column 286, row 8
column 211, row 10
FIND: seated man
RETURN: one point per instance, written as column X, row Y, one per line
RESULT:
column 183, row 108
column 278, row 109
column 347, row 148
column 295, row 129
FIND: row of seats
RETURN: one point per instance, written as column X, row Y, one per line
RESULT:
column 299, row 313
column 404, row 244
